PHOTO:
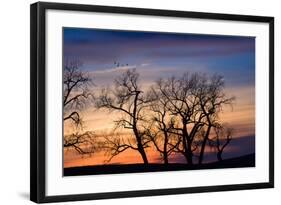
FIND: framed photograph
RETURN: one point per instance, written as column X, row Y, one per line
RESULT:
column 129, row 102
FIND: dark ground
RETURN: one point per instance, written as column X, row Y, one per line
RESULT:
column 238, row 162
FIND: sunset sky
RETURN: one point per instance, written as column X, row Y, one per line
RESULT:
column 106, row 54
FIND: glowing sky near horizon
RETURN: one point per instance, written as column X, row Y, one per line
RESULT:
column 159, row 55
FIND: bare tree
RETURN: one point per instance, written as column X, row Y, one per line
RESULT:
column 223, row 136
column 161, row 125
column 184, row 107
column 83, row 143
column 116, row 144
column 195, row 102
column 128, row 100
column 76, row 95
column 75, row 91
column 181, row 113
column 212, row 99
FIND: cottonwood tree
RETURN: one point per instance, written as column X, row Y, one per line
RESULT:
column 128, row 100
column 76, row 96
column 83, row 143
column 222, row 137
column 161, row 125
column 183, row 106
column 195, row 101
column 180, row 114
column 115, row 143
column 212, row 98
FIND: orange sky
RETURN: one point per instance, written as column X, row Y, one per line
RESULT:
column 241, row 116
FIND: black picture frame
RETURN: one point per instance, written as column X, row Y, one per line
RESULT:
column 38, row 101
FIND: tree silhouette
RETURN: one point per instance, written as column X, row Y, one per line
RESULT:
column 212, row 99
column 194, row 100
column 76, row 95
column 161, row 125
column 83, row 143
column 223, row 136
column 116, row 144
column 176, row 115
column 127, row 99
column 181, row 105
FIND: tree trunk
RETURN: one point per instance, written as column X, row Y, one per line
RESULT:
column 138, row 137
column 188, row 158
column 165, row 151
column 201, row 156
column 219, row 155
column 189, row 153
column 187, row 145
column 165, row 156
column 142, row 152
column 140, row 146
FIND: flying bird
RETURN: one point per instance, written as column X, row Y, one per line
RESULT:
column 118, row 64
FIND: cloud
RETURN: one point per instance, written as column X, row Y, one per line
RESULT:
column 149, row 73
column 115, row 69
column 101, row 46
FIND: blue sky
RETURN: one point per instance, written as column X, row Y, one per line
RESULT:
column 231, row 56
